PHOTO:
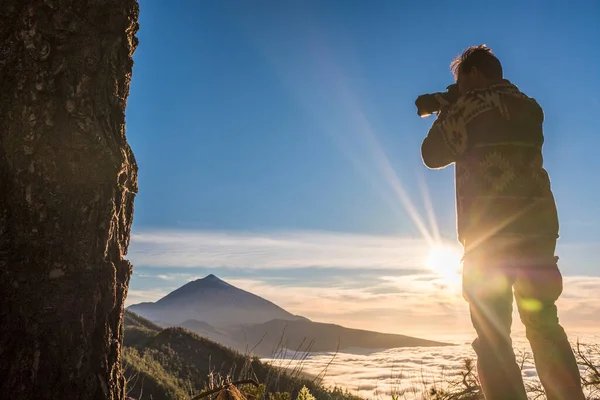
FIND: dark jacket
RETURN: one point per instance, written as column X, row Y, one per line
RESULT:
column 495, row 137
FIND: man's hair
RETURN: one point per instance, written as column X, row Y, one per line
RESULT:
column 481, row 57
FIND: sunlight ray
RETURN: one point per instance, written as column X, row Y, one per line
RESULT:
column 378, row 155
column 486, row 235
column 398, row 188
column 429, row 208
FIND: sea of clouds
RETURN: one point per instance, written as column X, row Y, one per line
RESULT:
column 407, row 371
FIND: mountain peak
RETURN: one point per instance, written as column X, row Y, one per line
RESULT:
column 195, row 288
column 210, row 281
column 213, row 301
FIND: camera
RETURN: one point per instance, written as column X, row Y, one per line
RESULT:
column 431, row 103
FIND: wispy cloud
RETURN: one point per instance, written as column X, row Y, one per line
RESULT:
column 410, row 304
column 580, row 302
column 277, row 250
column 401, row 306
column 363, row 281
column 139, row 296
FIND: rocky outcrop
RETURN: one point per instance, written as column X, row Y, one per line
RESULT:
column 68, row 180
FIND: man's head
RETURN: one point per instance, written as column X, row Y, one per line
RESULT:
column 477, row 67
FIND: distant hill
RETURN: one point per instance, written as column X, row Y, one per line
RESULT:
column 174, row 363
column 212, row 301
column 305, row 335
column 216, row 335
column 244, row 321
column 132, row 320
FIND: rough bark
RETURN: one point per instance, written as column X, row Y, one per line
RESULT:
column 67, row 184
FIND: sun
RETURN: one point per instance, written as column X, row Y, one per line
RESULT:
column 445, row 261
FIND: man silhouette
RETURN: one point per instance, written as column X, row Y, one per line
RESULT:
column 507, row 223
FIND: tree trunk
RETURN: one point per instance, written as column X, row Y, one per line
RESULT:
column 68, row 180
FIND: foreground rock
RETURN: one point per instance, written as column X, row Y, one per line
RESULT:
column 67, row 184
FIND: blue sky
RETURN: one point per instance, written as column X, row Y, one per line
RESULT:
column 278, row 146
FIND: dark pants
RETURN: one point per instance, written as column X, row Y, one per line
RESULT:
column 490, row 272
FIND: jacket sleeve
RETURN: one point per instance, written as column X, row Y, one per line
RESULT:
column 447, row 139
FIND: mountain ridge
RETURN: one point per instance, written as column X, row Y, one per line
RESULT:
column 223, row 313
